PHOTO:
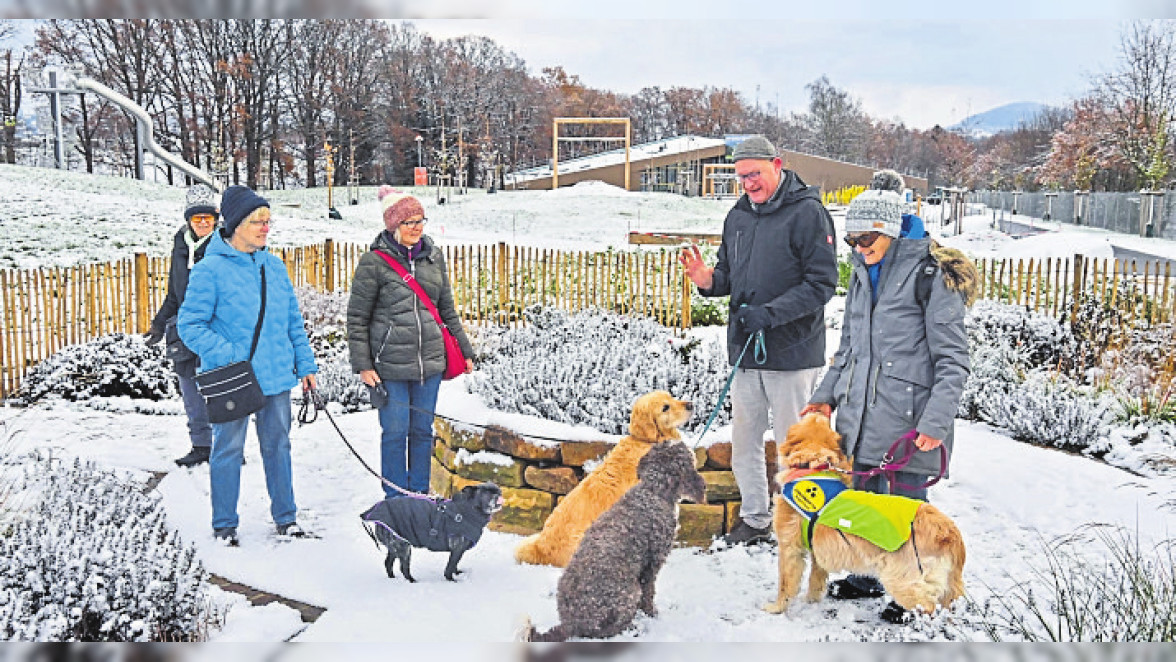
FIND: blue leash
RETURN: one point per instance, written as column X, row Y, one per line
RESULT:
column 760, row 355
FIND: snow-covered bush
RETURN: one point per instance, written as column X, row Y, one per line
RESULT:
column 1050, row 410
column 114, row 365
column 92, row 559
column 1039, row 340
column 588, row 368
column 325, row 315
column 1016, row 383
column 996, row 371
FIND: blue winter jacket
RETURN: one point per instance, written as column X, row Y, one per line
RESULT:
column 219, row 314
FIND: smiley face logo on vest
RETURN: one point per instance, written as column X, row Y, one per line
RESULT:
column 808, row 495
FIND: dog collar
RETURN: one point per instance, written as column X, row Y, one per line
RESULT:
column 810, row 494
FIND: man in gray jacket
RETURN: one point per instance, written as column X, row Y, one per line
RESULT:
column 903, row 358
column 778, row 264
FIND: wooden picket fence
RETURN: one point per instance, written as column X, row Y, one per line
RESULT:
column 47, row 309
column 1142, row 290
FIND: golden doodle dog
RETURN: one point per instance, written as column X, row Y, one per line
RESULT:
column 654, row 420
column 925, row 574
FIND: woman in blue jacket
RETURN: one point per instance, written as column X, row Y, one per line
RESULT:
column 217, row 321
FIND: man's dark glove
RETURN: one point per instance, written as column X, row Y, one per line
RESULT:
column 753, row 318
column 152, row 337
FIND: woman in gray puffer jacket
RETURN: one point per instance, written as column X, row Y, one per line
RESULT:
column 903, row 358
column 395, row 341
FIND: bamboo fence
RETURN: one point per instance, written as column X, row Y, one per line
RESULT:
column 47, row 309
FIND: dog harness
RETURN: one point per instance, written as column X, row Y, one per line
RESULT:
column 821, row 498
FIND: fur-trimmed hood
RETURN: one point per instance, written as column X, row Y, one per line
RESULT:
column 959, row 274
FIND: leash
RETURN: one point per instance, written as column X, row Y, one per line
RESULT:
column 760, row 355
column 890, row 466
column 312, row 404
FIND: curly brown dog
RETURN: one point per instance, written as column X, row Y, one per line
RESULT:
column 925, row 575
column 655, row 419
column 614, row 572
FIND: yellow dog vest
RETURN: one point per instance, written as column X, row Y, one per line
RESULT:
column 822, row 498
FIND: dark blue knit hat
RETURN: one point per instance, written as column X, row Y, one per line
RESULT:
column 237, row 202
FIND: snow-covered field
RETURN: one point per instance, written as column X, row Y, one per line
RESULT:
column 1007, row 497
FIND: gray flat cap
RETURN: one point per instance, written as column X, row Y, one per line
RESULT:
column 755, row 147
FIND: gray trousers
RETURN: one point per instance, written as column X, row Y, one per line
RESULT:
column 199, row 429
column 753, row 394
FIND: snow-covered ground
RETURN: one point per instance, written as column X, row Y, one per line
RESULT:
column 1007, row 497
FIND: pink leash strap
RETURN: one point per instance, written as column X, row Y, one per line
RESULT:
column 890, row 466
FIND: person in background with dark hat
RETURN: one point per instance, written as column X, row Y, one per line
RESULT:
column 903, row 358
column 191, row 239
column 217, row 321
column 779, row 266
column 395, row 342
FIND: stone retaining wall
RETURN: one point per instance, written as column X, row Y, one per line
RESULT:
column 535, row 477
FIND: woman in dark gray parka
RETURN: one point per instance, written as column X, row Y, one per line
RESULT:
column 200, row 218
column 394, row 340
column 902, row 362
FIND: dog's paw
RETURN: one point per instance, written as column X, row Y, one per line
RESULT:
column 775, row 607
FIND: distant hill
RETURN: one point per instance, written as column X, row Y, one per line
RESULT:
column 1001, row 118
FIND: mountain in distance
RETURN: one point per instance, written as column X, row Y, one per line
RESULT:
column 1001, row 118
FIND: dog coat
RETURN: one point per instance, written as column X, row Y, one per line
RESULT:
column 821, row 498
column 427, row 523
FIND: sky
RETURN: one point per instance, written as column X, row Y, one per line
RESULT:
column 912, row 60
column 923, row 72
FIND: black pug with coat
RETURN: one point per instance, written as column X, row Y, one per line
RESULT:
column 454, row 526
column 613, row 572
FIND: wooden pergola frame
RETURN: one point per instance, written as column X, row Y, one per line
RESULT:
column 587, row 120
column 709, row 170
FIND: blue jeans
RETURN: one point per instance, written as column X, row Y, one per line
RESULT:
column 228, row 449
column 199, row 429
column 406, row 442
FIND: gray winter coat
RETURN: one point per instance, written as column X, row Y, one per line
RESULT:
column 779, row 254
column 389, row 329
column 898, row 367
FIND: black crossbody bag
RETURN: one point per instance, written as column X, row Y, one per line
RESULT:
column 231, row 392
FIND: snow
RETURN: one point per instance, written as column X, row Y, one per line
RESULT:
column 1007, row 497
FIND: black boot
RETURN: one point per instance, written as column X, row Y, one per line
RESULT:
column 895, row 613
column 198, row 455
column 856, row 587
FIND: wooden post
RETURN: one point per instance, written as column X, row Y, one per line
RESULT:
column 501, row 284
column 329, row 260
column 1079, row 263
column 142, row 305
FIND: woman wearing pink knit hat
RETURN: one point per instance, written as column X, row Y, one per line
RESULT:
column 394, row 340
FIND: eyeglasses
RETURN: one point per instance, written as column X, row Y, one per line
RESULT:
column 864, row 240
column 751, row 176
column 414, row 224
column 257, row 224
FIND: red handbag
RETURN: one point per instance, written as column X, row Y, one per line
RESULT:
column 455, row 361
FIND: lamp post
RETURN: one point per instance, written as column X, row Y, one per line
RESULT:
column 419, row 140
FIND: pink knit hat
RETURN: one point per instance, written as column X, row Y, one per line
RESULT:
column 398, row 206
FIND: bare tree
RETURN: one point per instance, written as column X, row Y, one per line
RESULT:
column 838, row 127
column 1140, row 98
column 10, row 93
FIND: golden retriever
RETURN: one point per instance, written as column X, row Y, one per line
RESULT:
column 655, row 419
column 924, row 575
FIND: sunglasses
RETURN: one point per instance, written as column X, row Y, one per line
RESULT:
column 864, row 240
column 414, row 224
